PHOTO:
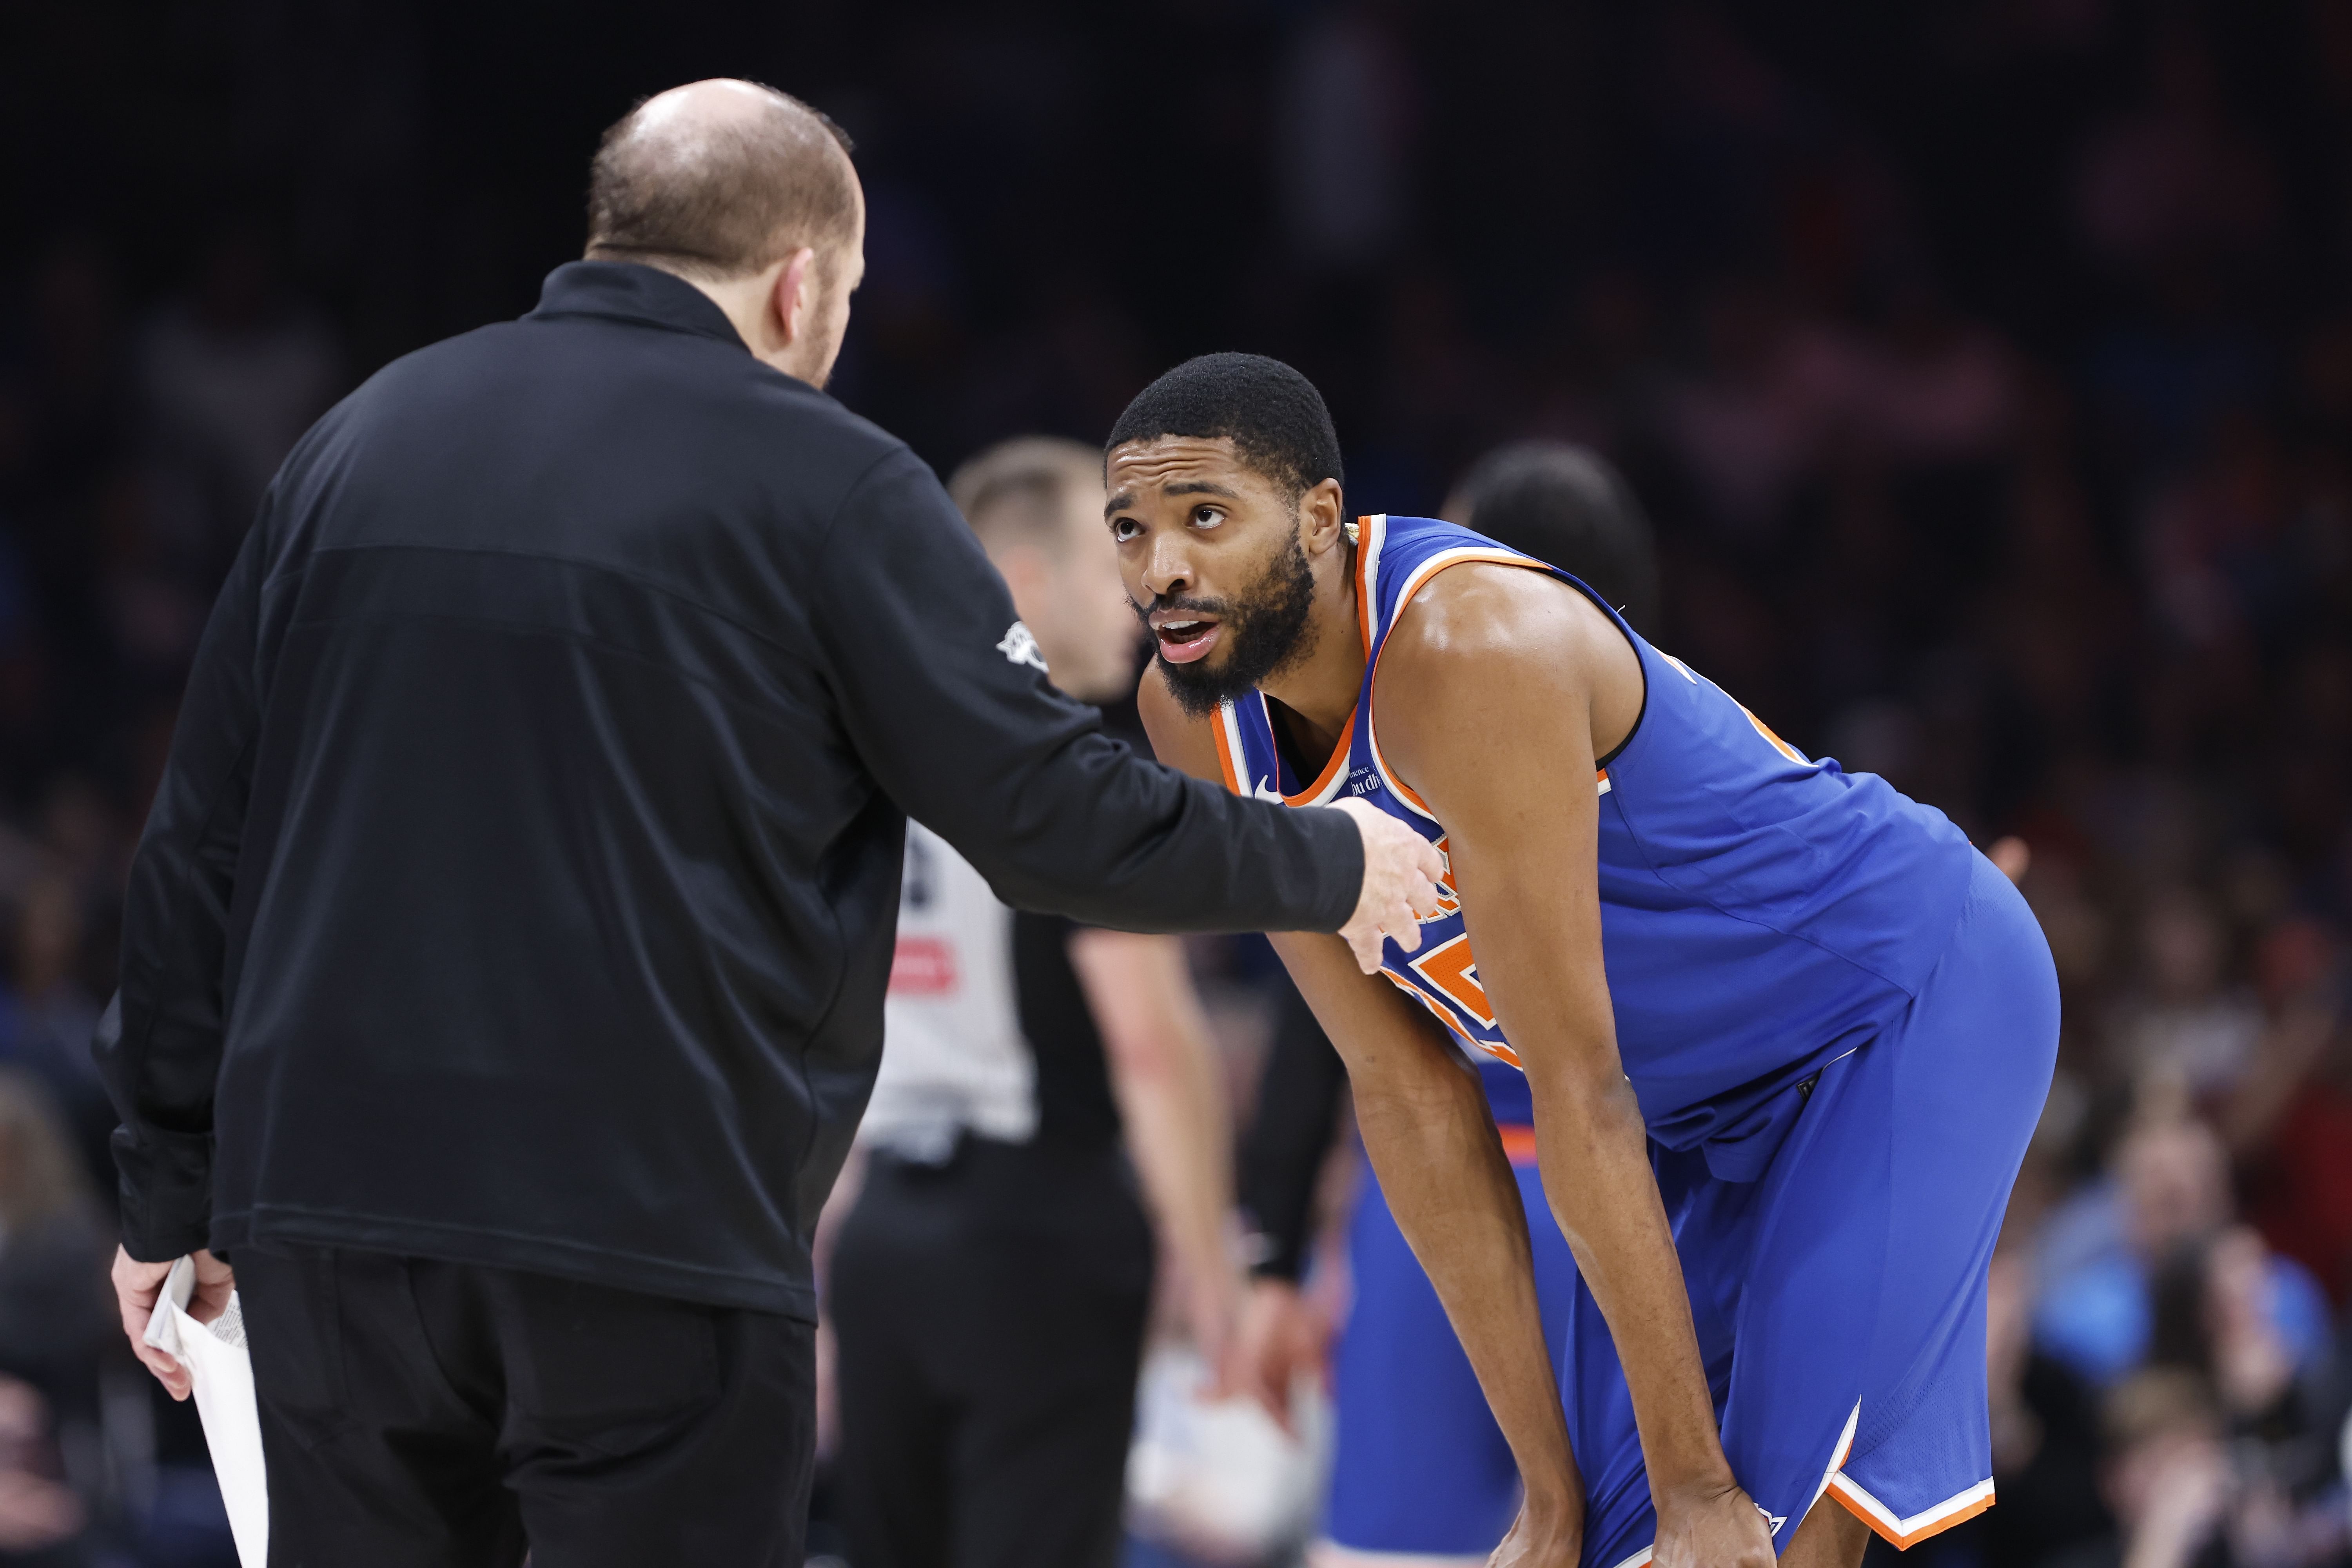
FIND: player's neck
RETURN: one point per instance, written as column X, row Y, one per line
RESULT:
column 1320, row 689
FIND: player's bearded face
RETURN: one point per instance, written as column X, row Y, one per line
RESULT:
column 1267, row 629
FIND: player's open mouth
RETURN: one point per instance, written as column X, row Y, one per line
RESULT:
column 1182, row 641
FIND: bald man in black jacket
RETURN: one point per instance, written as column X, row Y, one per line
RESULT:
column 503, row 961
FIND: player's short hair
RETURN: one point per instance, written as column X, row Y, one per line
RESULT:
column 721, row 200
column 1020, row 491
column 1273, row 415
column 1567, row 505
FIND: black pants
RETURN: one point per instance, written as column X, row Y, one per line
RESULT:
column 990, row 1315
column 426, row 1414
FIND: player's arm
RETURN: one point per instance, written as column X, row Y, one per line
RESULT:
column 1172, row 1100
column 1486, row 706
column 1425, row 1124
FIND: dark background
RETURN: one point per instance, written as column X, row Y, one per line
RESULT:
column 1986, row 370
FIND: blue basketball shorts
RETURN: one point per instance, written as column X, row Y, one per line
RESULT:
column 1421, row 1471
column 1840, row 1298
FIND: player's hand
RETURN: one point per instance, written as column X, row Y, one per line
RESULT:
column 1281, row 1338
column 138, row 1286
column 1711, row 1527
column 1543, row 1536
column 1400, row 873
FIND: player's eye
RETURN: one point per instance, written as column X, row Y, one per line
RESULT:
column 1207, row 517
column 1123, row 529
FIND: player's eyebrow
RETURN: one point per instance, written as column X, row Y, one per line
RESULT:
column 1126, row 498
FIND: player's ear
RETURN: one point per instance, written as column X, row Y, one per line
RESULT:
column 1321, row 510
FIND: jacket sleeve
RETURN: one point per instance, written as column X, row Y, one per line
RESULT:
column 947, row 703
column 158, row 1045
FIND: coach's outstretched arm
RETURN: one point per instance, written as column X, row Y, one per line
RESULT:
column 1492, row 698
column 949, row 707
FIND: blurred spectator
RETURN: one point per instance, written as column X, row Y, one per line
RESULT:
column 2175, row 176
column 2291, row 1118
column 53, row 1252
column 50, row 1017
column 2171, row 1191
column 39, row 1514
column 1940, row 388
column 1768, row 394
column 2045, row 1440
column 232, row 374
column 2167, row 1477
column 53, row 1320
column 2184, row 1021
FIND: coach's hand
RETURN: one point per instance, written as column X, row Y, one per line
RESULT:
column 138, row 1286
column 1400, row 874
column 1711, row 1527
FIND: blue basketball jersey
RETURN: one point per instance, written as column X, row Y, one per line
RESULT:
column 1762, row 913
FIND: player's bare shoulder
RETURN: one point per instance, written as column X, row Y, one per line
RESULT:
column 1182, row 741
column 1508, row 627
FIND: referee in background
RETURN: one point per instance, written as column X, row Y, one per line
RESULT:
column 990, row 1286
column 503, row 961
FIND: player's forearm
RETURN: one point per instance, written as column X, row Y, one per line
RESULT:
column 1597, row 1175
column 1425, row 1124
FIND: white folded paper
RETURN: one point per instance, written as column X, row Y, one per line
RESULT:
column 222, row 1375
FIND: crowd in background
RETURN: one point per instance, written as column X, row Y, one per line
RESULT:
column 1986, row 373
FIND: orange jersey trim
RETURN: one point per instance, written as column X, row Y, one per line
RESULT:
column 1519, row 1142
column 1935, row 1521
column 1332, row 769
column 1453, row 1026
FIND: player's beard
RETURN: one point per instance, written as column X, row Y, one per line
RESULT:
column 1269, row 628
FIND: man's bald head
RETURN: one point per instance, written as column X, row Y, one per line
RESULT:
column 718, row 179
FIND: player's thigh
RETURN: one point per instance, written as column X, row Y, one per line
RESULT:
column 1969, row 1071
column 1859, row 1363
column 1420, row 1468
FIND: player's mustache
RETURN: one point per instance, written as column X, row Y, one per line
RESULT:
column 1179, row 601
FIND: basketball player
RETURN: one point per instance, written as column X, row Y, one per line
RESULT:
column 990, row 1286
column 1786, row 1034
column 1421, row 1475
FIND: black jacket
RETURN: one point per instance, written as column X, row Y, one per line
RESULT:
column 520, row 889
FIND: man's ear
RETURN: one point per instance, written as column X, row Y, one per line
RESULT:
column 795, row 295
column 1321, row 510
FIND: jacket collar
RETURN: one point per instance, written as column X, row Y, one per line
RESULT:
column 625, row 291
